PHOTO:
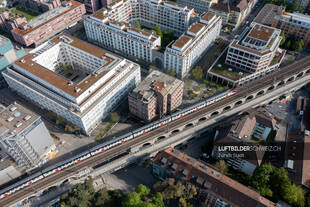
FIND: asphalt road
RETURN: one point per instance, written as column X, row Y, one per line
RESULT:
column 243, row 92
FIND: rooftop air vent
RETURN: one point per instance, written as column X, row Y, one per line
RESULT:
column 18, row 124
column 76, row 89
column 13, row 108
column 22, row 61
column 10, row 119
column 26, row 118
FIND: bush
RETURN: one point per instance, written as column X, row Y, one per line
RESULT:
column 114, row 117
column 192, row 96
column 196, row 88
column 197, row 73
column 188, row 84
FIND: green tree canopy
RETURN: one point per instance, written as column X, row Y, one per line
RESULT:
column 114, row 117
column 222, row 166
column 158, row 31
column 283, row 38
column 138, row 25
column 197, row 73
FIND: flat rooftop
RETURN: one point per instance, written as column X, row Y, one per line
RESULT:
column 208, row 16
column 15, row 118
column 267, row 14
column 155, row 81
column 261, row 32
column 60, row 82
column 195, row 28
column 183, row 40
column 48, row 17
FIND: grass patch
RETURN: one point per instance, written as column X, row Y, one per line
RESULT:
column 188, row 84
column 228, row 71
column 26, row 13
column 260, row 141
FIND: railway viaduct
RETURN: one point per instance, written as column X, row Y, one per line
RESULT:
column 257, row 92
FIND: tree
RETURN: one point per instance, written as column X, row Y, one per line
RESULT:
column 67, row 69
column 102, row 198
column 158, row 200
column 142, row 190
column 283, row 38
column 158, row 31
column 260, row 179
column 279, row 181
column 182, row 202
column 138, row 25
column 51, row 115
column 298, row 45
column 69, row 128
column 288, row 44
column 171, row 72
column 295, row 6
column 114, row 117
column 132, row 200
column 222, row 166
column 197, row 73
column 191, row 191
column 308, row 200
column 294, row 195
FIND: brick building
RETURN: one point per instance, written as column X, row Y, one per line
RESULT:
column 91, row 6
column 241, row 130
column 39, row 6
column 156, row 96
column 218, row 189
column 297, row 159
column 10, row 21
column 233, row 12
column 293, row 24
column 49, row 23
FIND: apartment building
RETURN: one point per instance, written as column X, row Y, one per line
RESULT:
column 239, row 131
column 166, row 14
column 157, row 95
column 8, row 54
column 182, row 54
column 91, row 6
column 39, row 6
column 49, row 23
column 297, row 162
column 120, row 37
column 219, row 189
column 24, row 136
column 200, row 6
column 293, row 25
column 257, row 49
column 76, row 80
column 10, row 21
column 233, row 13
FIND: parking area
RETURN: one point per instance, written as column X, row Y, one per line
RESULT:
column 128, row 178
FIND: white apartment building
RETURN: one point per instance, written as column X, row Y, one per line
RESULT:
column 200, row 6
column 182, row 54
column 74, row 79
column 24, row 136
column 168, row 15
column 256, row 49
column 120, row 37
